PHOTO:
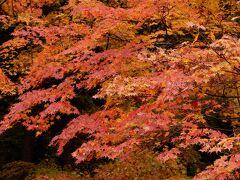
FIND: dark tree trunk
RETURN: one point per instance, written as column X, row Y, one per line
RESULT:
column 28, row 146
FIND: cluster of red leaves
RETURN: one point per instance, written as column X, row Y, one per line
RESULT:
column 149, row 96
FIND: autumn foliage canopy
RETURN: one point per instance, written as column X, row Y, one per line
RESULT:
column 162, row 75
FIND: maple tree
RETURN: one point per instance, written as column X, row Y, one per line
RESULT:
column 167, row 72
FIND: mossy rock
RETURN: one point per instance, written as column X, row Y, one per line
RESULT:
column 48, row 169
column 16, row 170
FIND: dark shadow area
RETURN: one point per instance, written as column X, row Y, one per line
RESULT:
column 46, row 9
column 5, row 34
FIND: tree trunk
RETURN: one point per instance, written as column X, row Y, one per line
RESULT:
column 28, row 146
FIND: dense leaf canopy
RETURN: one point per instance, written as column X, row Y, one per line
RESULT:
column 166, row 74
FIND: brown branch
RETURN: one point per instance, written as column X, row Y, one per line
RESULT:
column 232, row 72
column 225, row 59
column 108, row 39
column 224, row 88
column 238, row 95
column 221, row 96
column 115, row 37
column 2, row 1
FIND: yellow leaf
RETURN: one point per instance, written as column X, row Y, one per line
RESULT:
column 196, row 37
column 212, row 36
column 38, row 133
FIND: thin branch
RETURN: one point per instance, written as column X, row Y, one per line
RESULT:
column 232, row 72
column 224, row 88
column 225, row 59
column 2, row 1
column 221, row 96
column 238, row 95
column 108, row 39
column 115, row 37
